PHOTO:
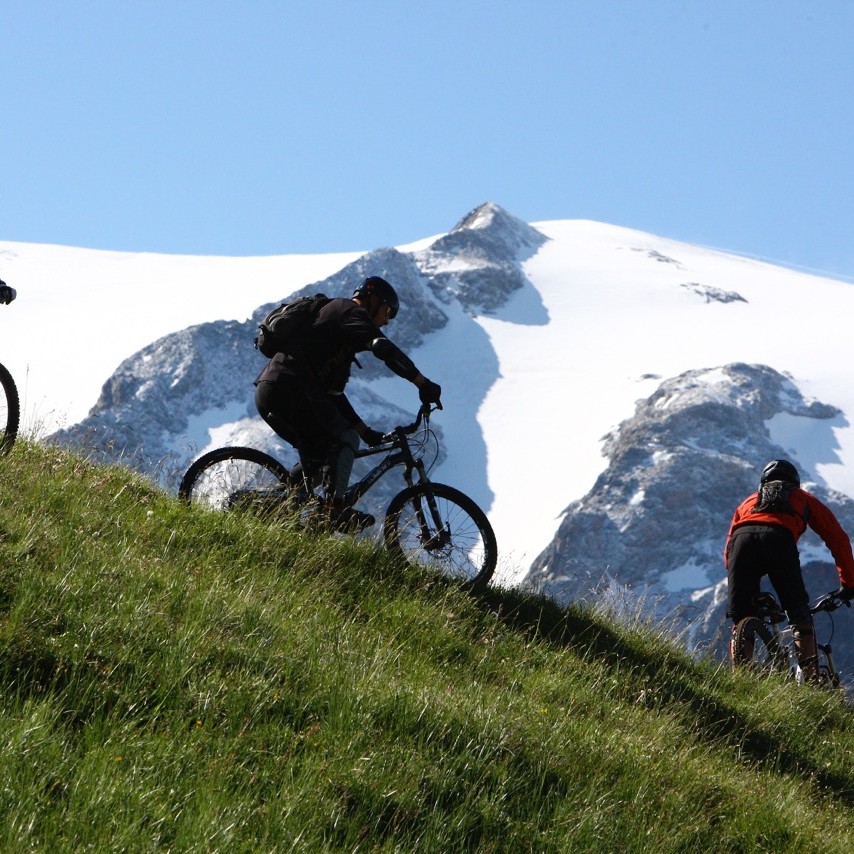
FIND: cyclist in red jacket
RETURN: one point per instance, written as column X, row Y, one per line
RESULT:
column 762, row 540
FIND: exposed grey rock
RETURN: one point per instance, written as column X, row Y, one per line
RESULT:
column 152, row 395
column 655, row 255
column 479, row 261
column 712, row 294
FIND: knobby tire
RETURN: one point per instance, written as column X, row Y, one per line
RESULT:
column 10, row 411
column 236, row 478
column 464, row 547
column 756, row 646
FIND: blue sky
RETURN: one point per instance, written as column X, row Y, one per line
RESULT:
column 271, row 127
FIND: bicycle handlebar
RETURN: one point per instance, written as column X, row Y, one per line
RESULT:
column 829, row 602
column 409, row 429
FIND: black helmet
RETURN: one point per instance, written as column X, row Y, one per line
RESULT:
column 780, row 470
column 374, row 286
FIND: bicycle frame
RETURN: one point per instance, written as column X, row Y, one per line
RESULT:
column 402, row 456
column 769, row 611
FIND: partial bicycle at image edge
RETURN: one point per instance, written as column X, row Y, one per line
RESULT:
column 432, row 524
column 764, row 642
column 10, row 405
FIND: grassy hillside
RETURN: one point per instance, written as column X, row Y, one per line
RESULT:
column 178, row 680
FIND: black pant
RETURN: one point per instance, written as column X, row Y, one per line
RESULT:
column 315, row 422
column 758, row 550
column 303, row 414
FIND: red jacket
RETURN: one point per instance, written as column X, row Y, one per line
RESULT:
column 808, row 511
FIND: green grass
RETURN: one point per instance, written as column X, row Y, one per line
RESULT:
column 175, row 680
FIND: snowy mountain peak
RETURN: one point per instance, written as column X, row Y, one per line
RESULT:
column 494, row 226
column 745, row 386
column 479, row 262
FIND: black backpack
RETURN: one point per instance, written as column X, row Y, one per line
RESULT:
column 278, row 330
column 774, row 497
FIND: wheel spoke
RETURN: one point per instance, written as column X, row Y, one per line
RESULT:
column 236, row 478
column 461, row 545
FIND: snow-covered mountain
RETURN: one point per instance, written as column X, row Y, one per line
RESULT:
column 648, row 536
column 609, row 394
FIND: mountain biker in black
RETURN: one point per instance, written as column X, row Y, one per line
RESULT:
column 300, row 394
column 762, row 540
column 7, row 294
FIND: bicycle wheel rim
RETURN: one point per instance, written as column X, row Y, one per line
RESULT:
column 10, row 410
column 237, row 479
column 464, row 548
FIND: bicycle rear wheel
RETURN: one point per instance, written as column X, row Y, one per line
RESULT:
column 237, row 478
column 756, row 646
column 439, row 527
column 10, row 410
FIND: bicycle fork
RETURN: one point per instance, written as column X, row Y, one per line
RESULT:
column 826, row 670
column 829, row 669
column 442, row 536
column 787, row 650
column 439, row 535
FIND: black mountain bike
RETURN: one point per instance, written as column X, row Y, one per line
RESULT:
column 765, row 643
column 10, row 404
column 428, row 523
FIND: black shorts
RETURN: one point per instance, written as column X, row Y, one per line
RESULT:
column 755, row 551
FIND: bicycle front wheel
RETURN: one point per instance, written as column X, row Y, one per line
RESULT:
column 756, row 646
column 237, row 478
column 10, row 410
column 439, row 527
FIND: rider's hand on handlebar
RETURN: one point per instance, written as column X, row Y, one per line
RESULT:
column 845, row 594
column 430, row 392
column 373, row 437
